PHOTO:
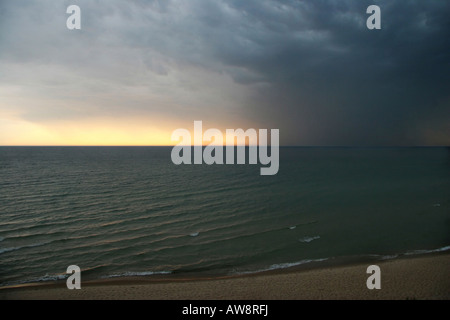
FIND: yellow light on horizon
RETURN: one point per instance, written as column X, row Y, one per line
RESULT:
column 23, row 133
column 132, row 131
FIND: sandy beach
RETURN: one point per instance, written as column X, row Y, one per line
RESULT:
column 425, row 277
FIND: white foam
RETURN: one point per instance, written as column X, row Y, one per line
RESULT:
column 293, row 264
column 293, row 227
column 54, row 277
column 45, row 278
column 309, row 239
column 389, row 257
column 22, row 247
column 194, row 234
column 414, row 252
column 284, row 265
column 136, row 274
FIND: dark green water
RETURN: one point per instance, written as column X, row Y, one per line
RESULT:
column 130, row 211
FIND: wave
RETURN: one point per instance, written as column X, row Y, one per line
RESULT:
column 23, row 247
column 135, row 274
column 309, row 239
column 30, row 236
column 51, row 277
column 293, row 264
column 46, row 278
column 408, row 253
column 389, row 257
column 415, row 252
column 303, row 224
column 305, row 261
column 283, row 265
column 380, row 257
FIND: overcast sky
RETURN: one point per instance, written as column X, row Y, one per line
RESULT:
column 137, row 70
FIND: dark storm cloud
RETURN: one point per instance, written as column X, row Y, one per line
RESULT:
column 349, row 85
column 310, row 68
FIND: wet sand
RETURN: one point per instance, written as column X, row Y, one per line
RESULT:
column 424, row 277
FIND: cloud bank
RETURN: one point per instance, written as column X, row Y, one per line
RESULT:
column 310, row 68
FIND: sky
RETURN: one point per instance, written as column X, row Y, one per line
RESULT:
column 138, row 70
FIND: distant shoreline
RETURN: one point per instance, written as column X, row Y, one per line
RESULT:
column 411, row 277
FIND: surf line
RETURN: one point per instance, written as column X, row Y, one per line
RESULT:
column 213, row 152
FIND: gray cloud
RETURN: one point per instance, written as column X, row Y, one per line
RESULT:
column 310, row 68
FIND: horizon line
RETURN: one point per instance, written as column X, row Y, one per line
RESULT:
column 281, row 146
